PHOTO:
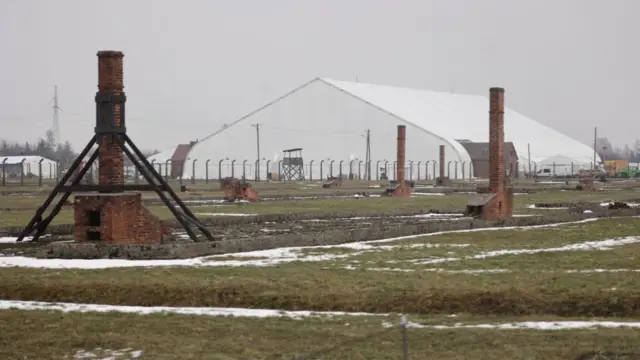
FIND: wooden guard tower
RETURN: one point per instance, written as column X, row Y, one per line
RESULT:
column 292, row 164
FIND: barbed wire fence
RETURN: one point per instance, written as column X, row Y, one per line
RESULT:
column 198, row 171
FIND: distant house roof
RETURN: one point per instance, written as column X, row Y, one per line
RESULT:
column 480, row 150
column 26, row 158
column 181, row 153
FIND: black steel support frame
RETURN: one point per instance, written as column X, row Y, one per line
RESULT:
column 105, row 126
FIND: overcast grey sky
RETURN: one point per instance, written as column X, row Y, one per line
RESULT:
column 192, row 65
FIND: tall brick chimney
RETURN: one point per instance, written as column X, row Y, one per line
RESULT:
column 441, row 163
column 113, row 216
column 497, row 203
column 401, row 151
column 496, row 140
column 403, row 188
column 111, row 156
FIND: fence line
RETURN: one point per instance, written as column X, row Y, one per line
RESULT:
column 195, row 169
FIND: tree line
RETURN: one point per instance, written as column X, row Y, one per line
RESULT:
column 47, row 148
column 608, row 151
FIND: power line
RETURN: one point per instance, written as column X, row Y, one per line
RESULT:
column 257, row 126
column 367, row 171
column 56, row 116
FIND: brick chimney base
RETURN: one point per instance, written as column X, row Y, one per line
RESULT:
column 492, row 206
column 116, row 218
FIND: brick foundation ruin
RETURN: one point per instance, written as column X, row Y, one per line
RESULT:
column 117, row 218
column 114, row 217
column 497, row 203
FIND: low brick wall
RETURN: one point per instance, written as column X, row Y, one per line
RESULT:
column 222, row 221
column 190, row 250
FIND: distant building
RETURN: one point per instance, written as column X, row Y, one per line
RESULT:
column 479, row 154
column 29, row 165
column 175, row 160
column 329, row 120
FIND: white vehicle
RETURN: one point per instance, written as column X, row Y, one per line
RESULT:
column 545, row 172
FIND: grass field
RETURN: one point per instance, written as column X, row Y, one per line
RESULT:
column 582, row 271
column 50, row 335
column 553, row 276
column 26, row 206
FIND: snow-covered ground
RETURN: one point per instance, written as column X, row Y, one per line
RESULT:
column 604, row 204
column 526, row 325
column 299, row 315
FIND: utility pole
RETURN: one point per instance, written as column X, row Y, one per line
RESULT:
column 367, row 171
column 56, row 116
column 529, row 158
column 595, row 146
column 257, row 126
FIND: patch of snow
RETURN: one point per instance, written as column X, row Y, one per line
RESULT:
column 225, row 214
column 480, row 271
column 269, row 257
column 107, row 354
column 586, row 246
column 428, row 194
column 533, row 206
column 204, row 201
column 631, row 204
column 535, row 325
column 589, row 271
column 146, row 310
column 11, row 239
column 487, row 271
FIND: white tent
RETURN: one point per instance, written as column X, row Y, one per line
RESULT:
column 562, row 165
column 29, row 165
column 330, row 120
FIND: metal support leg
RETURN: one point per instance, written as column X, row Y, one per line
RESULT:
column 172, row 193
column 37, row 218
column 163, row 186
column 42, row 225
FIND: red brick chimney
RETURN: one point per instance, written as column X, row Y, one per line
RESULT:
column 496, row 140
column 112, row 216
column 401, row 189
column 441, row 163
column 401, row 151
column 502, row 205
column 497, row 203
column 111, row 156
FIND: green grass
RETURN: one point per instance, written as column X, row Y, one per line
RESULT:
column 53, row 335
column 368, row 205
column 542, row 288
column 365, row 205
